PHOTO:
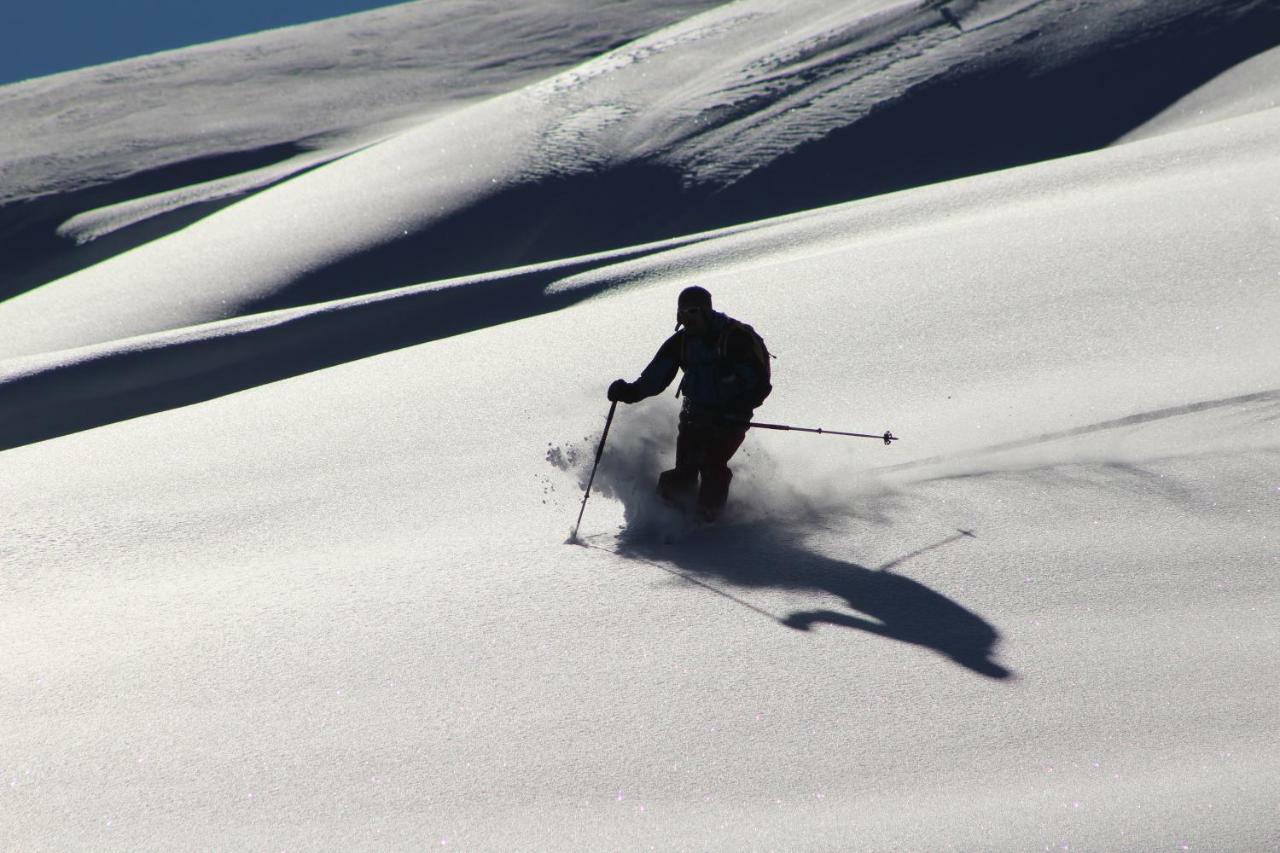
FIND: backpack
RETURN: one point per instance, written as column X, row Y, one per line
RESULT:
column 759, row 354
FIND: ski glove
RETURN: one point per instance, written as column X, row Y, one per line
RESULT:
column 622, row 391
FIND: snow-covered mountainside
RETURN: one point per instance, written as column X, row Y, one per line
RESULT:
column 287, row 482
column 752, row 109
column 166, row 139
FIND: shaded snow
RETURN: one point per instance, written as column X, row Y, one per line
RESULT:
column 1251, row 86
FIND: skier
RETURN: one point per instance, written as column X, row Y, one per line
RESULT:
column 726, row 376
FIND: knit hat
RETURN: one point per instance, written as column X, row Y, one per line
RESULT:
column 695, row 297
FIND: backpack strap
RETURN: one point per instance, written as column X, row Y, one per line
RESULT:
column 684, row 360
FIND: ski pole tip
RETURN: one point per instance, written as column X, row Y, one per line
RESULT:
column 889, row 437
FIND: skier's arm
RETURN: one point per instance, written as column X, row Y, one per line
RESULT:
column 655, row 378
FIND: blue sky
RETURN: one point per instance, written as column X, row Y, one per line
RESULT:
column 39, row 37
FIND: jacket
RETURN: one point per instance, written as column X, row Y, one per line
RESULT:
column 720, row 373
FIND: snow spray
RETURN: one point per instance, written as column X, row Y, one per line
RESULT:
column 776, row 483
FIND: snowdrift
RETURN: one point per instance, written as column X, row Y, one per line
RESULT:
column 749, row 110
column 102, row 160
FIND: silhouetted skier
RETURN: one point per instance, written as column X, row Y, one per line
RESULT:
column 726, row 376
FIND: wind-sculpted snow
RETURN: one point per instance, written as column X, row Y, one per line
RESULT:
column 98, row 223
column 202, row 124
column 50, row 395
column 1120, row 190
column 345, row 75
column 746, row 111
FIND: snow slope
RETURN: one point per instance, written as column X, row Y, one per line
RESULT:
column 751, row 109
column 1252, row 86
column 175, row 135
column 81, row 128
column 337, row 609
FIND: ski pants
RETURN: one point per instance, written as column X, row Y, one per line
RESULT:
column 703, row 450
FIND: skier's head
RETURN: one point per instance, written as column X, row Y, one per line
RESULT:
column 693, row 309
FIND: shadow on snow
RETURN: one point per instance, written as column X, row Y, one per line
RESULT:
column 100, row 385
column 883, row 603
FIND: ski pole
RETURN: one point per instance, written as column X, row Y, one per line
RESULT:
column 573, row 537
column 887, row 437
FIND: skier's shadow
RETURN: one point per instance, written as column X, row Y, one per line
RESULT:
column 887, row 604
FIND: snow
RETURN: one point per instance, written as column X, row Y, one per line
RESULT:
column 1246, row 88
column 314, row 81
column 297, row 577
column 690, row 118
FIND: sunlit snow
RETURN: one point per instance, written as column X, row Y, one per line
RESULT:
column 292, row 450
